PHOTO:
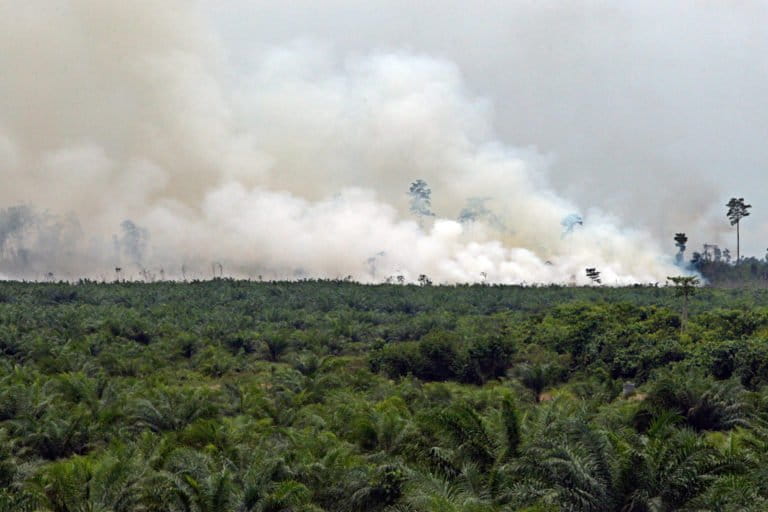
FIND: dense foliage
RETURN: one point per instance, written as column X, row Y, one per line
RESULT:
column 748, row 272
column 313, row 396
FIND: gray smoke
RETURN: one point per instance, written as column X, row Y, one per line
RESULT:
column 652, row 110
column 476, row 210
column 34, row 244
column 16, row 225
column 296, row 164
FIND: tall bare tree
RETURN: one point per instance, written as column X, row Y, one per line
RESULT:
column 737, row 210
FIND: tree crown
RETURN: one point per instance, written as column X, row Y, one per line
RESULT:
column 737, row 210
column 684, row 285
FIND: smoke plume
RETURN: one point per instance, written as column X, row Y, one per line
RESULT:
column 299, row 166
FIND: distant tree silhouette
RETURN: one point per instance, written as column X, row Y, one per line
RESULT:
column 421, row 199
column 737, row 210
column 594, row 275
column 680, row 241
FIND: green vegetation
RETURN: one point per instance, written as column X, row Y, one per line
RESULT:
column 332, row 396
column 748, row 272
column 685, row 286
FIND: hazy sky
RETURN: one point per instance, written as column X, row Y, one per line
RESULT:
column 656, row 111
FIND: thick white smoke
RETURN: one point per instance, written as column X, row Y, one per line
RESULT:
column 298, row 167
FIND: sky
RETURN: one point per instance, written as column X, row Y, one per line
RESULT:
column 281, row 138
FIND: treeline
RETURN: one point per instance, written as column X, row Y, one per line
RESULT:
column 333, row 396
column 720, row 267
column 749, row 271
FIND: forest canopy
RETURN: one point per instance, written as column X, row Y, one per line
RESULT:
column 333, row 396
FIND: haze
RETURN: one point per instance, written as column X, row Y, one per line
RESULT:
column 281, row 138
